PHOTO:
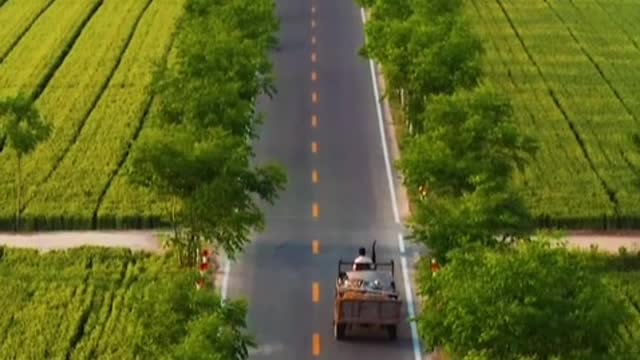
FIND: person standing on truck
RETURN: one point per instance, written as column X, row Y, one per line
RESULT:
column 362, row 262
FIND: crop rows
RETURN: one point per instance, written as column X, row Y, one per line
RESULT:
column 16, row 17
column 79, row 304
column 573, row 73
column 627, row 284
column 72, row 94
column 26, row 67
column 113, row 124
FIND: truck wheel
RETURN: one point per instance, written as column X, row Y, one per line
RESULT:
column 338, row 331
column 392, row 330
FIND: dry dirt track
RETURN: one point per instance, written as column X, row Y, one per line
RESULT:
column 148, row 240
column 135, row 240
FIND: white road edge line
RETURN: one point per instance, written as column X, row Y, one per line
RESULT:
column 385, row 151
column 225, row 278
column 394, row 205
column 410, row 308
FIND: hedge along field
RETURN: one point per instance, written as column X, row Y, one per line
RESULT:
column 573, row 70
column 96, row 303
column 71, row 95
column 16, row 17
column 113, row 124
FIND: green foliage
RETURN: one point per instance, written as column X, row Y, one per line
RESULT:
column 532, row 301
column 24, row 129
column 22, row 124
column 111, row 303
column 484, row 216
column 469, row 138
column 425, row 48
column 465, row 156
column 207, row 104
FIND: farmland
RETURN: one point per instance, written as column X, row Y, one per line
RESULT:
column 572, row 71
column 90, row 75
column 96, row 303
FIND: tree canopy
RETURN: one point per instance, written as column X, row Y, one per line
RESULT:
column 533, row 301
column 207, row 96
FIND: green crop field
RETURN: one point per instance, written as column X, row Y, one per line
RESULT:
column 628, row 284
column 95, row 303
column 572, row 69
column 89, row 64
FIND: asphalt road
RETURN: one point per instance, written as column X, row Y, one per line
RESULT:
column 324, row 128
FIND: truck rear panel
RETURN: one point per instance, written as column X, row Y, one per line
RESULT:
column 368, row 311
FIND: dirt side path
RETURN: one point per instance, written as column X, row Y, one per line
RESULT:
column 46, row 241
column 607, row 241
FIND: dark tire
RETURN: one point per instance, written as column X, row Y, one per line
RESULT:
column 339, row 331
column 392, row 330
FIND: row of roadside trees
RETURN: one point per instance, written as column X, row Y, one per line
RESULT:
column 197, row 156
column 500, row 295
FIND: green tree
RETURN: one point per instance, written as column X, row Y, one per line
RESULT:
column 532, row 301
column 207, row 103
column 491, row 215
column 466, row 156
column 210, row 183
column 24, row 129
column 469, row 138
column 179, row 322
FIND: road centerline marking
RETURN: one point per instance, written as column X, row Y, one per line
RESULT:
column 316, row 345
column 314, row 147
column 314, row 176
column 313, row 9
column 315, row 210
column 313, row 39
column 315, row 292
column 313, row 57
column 314, row 97
column 313, row 23
column 314, row 76
column 315, row 247
column 314, row 120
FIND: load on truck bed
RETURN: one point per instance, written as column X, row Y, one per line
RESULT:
column 366, row 298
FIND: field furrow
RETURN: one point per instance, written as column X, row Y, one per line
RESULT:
column 30, row 64
column 112, row 124
column 16, row 18
column 71, row 95
column 86, row 304
column 574, row 88
column 599, row 119
column 126, row 206
column 559, row 185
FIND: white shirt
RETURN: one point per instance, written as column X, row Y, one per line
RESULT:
column 361, row 260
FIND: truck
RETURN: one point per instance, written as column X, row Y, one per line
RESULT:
column 366, row 298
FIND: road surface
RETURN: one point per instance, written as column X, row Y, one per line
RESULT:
column 323, row 126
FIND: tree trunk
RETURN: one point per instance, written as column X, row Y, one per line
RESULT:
column 18, row 180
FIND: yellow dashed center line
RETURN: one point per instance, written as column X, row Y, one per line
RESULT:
column 314, row 76
column 314, row 120
column 315, row 247
column 313, row 40
column 313, row 57
column 316, row 344
column 313, row 23
column 315, row 209
column 313, row 9
column 314, row 176
column 314, row 97
column 315, row 292
column 314, row 147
